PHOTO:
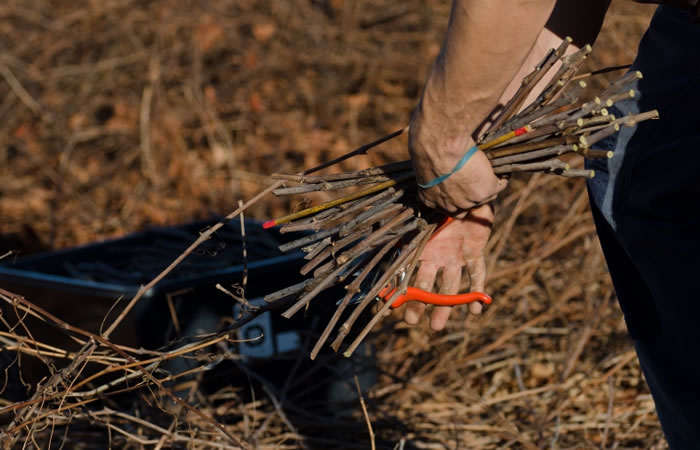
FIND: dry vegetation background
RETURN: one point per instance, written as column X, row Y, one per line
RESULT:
column 115, row 115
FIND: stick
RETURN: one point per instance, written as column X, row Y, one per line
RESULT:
column 601, row 71
column 202, row 237
column 544, row 166
column 414, row 251
column 569, row 67
column 290, row 290
column 245, row 250
column 587, row 131
column 317, row 248
column 380, row 170
column 306, row 240
column 621, row 82
column 615, row 98
column 310, row 238
column 587, row 141
column 577, row 173
column 322, row 285
column 380, row 207
column 315, row 221
column 406, row 214
column 523, row 148
column 382, row 203
column 521, row 120
column 358, row 151
column 587, row 122
column 634, row 119
column 139, row 365
column 505, row 138
column 366, row 229
column 336, row 202
column 366, row 243
column 533, row 134
column 333, row 247
column 529, row 83
column 330, row 185
column 533, row 155
column 352, row 289
column 596, row 154
column 584, row 110
column 371, row 295
column 373, row 446
column 34, row 106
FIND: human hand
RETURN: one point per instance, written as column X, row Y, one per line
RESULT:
column 458, row 248
column 436, row 143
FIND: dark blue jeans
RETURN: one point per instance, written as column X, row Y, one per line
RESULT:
column 646, row 205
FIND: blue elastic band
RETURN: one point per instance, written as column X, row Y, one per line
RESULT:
column 459, row 165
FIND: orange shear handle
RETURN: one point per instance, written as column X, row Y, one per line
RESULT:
column 431, row 298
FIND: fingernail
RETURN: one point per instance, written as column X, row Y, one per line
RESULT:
column 436, row 326
column 410, row 318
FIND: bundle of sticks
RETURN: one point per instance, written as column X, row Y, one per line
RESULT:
column 372, row 238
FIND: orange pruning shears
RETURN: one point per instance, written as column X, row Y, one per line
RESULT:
column 431, row 298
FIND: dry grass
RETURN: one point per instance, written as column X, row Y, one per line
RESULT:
column 119, row 115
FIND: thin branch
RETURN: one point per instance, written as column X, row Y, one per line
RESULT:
column 373, row 445
column 206, row 235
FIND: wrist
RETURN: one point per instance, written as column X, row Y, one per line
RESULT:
column 436, row 138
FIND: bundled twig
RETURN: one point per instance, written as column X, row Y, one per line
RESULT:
column 371, row 238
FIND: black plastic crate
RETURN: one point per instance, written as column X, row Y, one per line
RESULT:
column 81, row 284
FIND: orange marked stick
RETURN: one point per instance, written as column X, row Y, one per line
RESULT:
column 506, row 137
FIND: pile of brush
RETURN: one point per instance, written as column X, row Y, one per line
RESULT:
column 371, row 239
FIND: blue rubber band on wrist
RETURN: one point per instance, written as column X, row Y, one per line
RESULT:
column 459, row 165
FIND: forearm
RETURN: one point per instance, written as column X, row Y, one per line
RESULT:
column 489, row 48
column 485, row 45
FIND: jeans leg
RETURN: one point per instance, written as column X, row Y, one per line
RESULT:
column 670, row 376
